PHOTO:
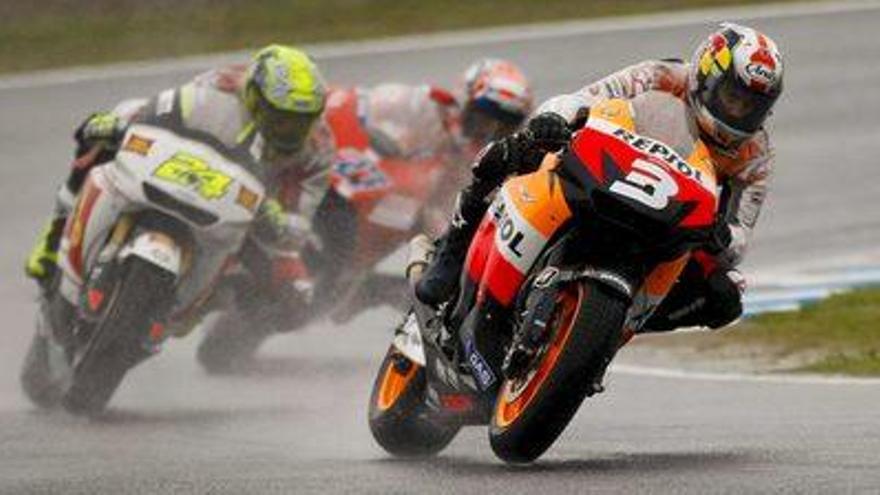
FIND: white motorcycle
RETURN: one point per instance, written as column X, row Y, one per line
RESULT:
column 150, row 234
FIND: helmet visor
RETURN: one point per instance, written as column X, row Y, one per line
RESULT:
column 736, row 106
column 284, row 130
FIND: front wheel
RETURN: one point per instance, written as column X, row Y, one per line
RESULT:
column 37, row 377
column 532, row 409
column 399, row 419
column 118, row 342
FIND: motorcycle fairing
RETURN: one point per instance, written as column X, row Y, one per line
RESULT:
column 611, row 161
column 388, row 193
column 123, row 187
column 528, row 210
column 648, row 175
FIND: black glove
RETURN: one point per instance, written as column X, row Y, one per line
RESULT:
column 513, row 154
column 549, row 131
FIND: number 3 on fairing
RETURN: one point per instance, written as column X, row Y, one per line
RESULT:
column 647, row 183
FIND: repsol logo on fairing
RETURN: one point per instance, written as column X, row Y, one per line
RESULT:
column 658, row 150
column 507, row 231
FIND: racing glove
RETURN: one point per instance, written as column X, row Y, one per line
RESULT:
column 549, row 131
column 522, row 152
column 514, row 154
column 100, row 128
column 283, row 229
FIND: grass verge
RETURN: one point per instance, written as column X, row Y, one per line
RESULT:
column 56, row 33
column 840, row 335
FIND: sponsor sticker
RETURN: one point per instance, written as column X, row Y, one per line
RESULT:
column 247, row 198
column 761, row 71
column 138, row 144
column 479, row 367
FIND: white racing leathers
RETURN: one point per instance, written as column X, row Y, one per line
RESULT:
column 212, row 103
column 296, row 184
column 744, row 177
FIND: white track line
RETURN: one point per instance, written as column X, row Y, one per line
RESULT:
column 443, row 40
column 789, row 379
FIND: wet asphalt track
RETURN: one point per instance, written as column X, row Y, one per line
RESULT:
column 298, row 423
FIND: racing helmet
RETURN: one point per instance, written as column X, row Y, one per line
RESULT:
column 497, row 98
column 285, row 95
column 735, row 78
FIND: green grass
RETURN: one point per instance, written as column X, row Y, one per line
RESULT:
column 838, row 335
column 53, row 33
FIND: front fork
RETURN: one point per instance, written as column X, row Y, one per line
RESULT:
column 103, row 278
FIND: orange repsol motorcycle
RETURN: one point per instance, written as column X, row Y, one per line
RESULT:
column 566, row 264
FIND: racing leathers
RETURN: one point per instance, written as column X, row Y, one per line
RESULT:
column 401, row 122
column 297, row 183
column 418, row 121
column 710, row 289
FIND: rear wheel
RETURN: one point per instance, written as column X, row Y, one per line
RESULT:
column 118, row 342
column 532, row 410
column 230, row 344
column 399, row 419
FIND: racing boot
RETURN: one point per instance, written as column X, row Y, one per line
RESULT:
column 42, row 262
column 711, row 300
column 440, row 280
column 516, row 153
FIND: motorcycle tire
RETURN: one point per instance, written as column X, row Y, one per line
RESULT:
column 531, row 413
column 399, row 419
column 37, row 381
column 229, row 345
column 118, row 341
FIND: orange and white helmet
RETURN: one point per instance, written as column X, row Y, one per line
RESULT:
column 497, row 98
column 735, row 78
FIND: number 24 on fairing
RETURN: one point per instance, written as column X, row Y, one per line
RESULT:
column 188, row 170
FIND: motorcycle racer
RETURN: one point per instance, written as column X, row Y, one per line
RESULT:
column 271, row 108
column 426, row 120
column 422, row 125
column 730, row 87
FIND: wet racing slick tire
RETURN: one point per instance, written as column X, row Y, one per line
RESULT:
column 119, row 339
column 399, row 418
column 230, row 344
column 45, row 373
column 532, row 411
column 37, row 382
